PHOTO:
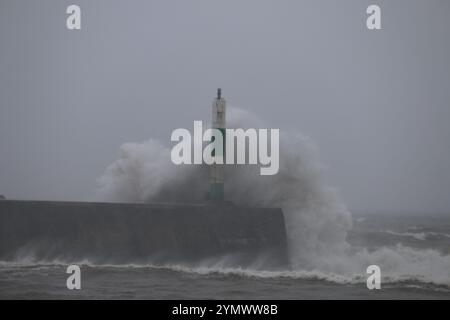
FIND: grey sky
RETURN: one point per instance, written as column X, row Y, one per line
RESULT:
column 377, row 103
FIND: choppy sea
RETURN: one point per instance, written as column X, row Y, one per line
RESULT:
column 47, row 280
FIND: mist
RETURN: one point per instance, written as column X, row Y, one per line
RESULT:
column 376, row 104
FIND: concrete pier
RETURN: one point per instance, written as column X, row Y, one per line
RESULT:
column 157, row 233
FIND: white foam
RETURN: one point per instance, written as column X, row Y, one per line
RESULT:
column 416, row 235
column 317, row 220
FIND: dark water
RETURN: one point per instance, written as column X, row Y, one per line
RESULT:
column 49, row 282
column 34, row 280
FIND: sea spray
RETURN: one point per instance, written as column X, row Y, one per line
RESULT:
column 317, row 221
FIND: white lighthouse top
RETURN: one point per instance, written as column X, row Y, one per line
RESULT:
column 219, row 111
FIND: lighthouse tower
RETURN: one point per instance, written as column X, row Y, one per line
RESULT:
column 216, row 192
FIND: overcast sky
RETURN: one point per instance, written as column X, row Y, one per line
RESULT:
column 377, row 103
